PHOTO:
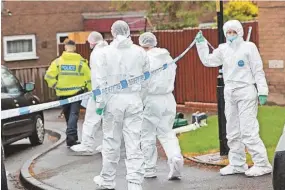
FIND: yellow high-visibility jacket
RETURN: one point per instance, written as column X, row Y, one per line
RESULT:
column 69, row 74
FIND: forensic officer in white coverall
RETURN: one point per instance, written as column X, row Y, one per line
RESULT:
column 159, row 111
column 122, row 110
column 242, row 69
column 92, row 121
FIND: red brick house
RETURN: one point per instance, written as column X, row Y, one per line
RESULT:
column 30, row 36
column 271, row 21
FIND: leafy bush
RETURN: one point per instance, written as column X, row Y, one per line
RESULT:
column 242, row 11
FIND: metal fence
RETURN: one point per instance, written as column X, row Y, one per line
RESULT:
column 194, row 82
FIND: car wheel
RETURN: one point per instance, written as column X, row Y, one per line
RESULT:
column 4, row 185
column 38, row 134
column 279, row 171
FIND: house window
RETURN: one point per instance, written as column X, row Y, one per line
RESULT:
column 60, row 37
column 17, row 48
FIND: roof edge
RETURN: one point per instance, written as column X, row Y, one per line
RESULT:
column 100, row 15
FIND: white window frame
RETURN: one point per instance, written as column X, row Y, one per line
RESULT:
column 58, row 35
column 23, row 55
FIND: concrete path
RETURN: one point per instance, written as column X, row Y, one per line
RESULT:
column 63, row 169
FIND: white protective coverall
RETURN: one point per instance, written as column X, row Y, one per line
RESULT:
column 242, row 68
column 159, row 112
column 122, row 110
column 92, row 121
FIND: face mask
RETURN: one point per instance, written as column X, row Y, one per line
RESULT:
column 231, row 38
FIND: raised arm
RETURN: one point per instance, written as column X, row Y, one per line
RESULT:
column 208, row 59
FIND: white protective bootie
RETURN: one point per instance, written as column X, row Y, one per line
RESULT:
column 255, row 171
column 81, row 148
column 229, row 170
column 134, row 186
column 176, row 166
column 99, row 182
column 150, row 174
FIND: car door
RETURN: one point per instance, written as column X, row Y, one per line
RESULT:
column 24, row 123
column 8, row 127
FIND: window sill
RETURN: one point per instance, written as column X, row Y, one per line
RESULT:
column 20, row 58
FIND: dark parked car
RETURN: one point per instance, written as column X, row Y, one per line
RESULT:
column 15, row 95
column 278, row 177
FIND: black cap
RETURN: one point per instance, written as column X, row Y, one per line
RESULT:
column 70, row 42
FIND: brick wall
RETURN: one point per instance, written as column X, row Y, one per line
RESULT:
column 272, row 46
column 45, row 19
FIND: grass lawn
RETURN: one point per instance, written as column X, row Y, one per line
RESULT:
column 206, row 139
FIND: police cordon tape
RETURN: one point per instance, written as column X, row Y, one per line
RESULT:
column 97, row 92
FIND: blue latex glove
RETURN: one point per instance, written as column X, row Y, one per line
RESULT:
column 99, row 111
column 199, row 37
column 262, row 99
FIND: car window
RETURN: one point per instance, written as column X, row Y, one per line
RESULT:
column 10, row 82
column 3, row 89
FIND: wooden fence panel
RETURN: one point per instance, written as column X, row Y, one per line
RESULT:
column 36, row 75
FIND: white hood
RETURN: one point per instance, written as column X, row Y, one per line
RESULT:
column 158, row 53
column 233, row 25
column 122, row 42
column 101, row 44
column 236, row 26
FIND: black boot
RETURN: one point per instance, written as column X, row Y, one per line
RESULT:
column 71, row 140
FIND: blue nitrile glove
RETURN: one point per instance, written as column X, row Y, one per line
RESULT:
column 99, row 111
column 262, row 99
column 94, row 97
column 199, row 37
